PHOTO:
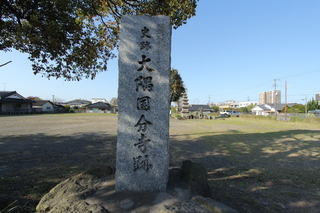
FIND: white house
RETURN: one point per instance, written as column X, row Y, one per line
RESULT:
column 43, row 106
column 97, row 100
column 77, row 103
column 247, row 103
column 269, row 109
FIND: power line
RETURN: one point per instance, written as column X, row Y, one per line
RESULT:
column 303, row 73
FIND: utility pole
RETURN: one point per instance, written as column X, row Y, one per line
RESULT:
column 275, row 95
column 305, row 106
column 286, row 94
column 4, row 86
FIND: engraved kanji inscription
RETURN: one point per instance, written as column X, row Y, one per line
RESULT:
column 145, row 33
column 144, row 82
column 141, row 162
column 142, row 143
column 144, row 65
column 143, row 103
column 145, row 45
column 142, row 124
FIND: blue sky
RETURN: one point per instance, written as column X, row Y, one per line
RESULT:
column 231, row 50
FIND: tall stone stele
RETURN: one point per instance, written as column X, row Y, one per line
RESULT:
column 142, row 162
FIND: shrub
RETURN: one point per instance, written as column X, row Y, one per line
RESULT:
column 178, row 116
column 296, row 119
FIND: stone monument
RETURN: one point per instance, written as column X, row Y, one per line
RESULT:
column 142, row 162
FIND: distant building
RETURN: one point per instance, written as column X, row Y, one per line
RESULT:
column 270, row 97
column 12, row 102
column 196, row 107
column 77, row 103
column 99, row 107
column 318, row 97
column 228, row 104
column 269, row 109
column 43, row 106
column 247, row 103
column 96, row 100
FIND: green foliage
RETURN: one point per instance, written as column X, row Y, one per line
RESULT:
column 296, row 119
column 298, row 108
column 313, row 105
column 311, row 119
column 114, row 102
column 176, row 86
column 244, row 109
column 34, row 98
column 259, row 117
column 251, row 106
column 173, row 110
column 67, row 107
column 178, row 116
column 16, row 207
column 285, row 108
column 216, row 108
column 75, row 39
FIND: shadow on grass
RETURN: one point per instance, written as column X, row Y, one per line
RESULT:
column 31, row 165
column 258, row 172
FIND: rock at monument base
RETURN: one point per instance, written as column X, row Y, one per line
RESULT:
column 195, row 176
column 68, row 196
column 94, row 191
column 199, row 204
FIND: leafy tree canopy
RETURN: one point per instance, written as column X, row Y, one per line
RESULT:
column 34, row 98
column 313, row 105
column 74, row 39
column 298, row 108
column 177, row 86
column 114, row 102
column 250, row 107
column 244, row 109
column 216, row 108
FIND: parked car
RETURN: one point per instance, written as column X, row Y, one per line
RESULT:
column 317, row 111
column 229, row 113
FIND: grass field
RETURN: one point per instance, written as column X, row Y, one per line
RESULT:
column 256, row 165
column 253, row 165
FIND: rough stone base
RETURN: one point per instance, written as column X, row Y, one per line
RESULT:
column 94, row 191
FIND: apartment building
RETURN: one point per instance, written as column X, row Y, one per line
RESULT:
column 270, row 97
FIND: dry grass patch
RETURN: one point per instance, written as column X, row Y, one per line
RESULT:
column 253, row 165
column 257, row 165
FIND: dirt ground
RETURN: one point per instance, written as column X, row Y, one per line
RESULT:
column 39, row 151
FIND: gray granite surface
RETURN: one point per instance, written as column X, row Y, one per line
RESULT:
column 143, row 101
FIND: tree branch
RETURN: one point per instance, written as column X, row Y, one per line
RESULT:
column 130, row 4
column 17, row 13
column 115, row 12
column 1, row 65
